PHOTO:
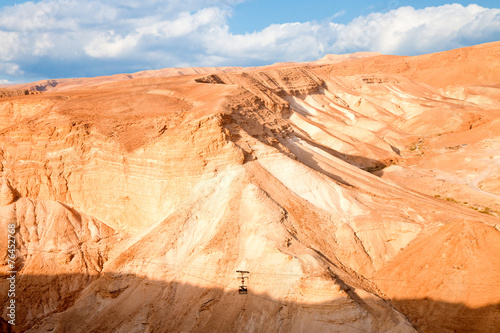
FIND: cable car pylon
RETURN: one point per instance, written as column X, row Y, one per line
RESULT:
column 243, row 277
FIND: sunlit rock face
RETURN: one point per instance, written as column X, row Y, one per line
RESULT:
column 360, row 192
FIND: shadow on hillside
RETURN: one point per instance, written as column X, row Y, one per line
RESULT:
column 361, row 162
column 117, row 302
column 436, row 316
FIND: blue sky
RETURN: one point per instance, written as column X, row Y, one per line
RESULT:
column 71, row 38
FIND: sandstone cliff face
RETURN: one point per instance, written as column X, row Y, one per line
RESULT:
column 16, row 92
column 59, row 251
column 121, row 165
column 136, row 202
column 7, row 194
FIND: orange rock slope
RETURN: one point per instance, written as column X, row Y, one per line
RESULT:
column 361, row 195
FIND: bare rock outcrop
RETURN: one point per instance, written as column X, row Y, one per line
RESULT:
column 17, row 92
column 7, row 194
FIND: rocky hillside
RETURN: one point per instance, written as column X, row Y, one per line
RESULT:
column 358, row 201
column 16, row 92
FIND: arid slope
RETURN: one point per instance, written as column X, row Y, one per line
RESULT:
column 137, row 201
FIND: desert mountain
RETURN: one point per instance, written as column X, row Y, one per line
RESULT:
column 360, row 195
column 68, row 84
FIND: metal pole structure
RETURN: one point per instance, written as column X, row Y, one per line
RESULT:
column 243, row 289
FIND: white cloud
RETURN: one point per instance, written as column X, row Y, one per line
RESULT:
column 409, row 31
column 401, row 31
column 110, row 45
column 10, row 45
column 185, row 24
column 43, row 45
column 154, row 34
column 338, row 14
column 290, row 41
column 10, row 69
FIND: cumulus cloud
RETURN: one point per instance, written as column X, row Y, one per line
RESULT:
column 110, row 45
column 403, row 31
column 10, row 45
column 150, row 34
column 406, row 30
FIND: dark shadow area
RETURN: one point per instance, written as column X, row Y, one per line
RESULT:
column 361, row 162
column 396, row 150
column 213, row 79
column 435, row 316
column 121, row 302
